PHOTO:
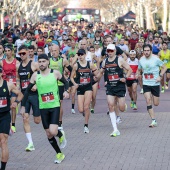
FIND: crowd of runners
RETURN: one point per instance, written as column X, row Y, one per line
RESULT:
column 42, row 64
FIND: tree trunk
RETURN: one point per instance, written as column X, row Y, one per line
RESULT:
column 148, row 14
column 165, row 15
column 169, row 19
column 141, row 15
column 2, row 19
column 152, row 21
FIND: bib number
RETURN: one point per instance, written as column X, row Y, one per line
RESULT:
column 84, row 80
column 47, row 97
column 24, row 84
column 113, row 77
column 149, row 76
column 133, row 76
column 3, row 103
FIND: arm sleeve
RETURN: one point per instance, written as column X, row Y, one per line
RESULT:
column 66, row 84
column 26, row 94
column 69, row 68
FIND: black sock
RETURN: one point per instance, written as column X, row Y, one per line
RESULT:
column 131, row 99
column 72, row 106
column 3, row 165
column 59, row 134
column 13, row 124
column 86, row 125
column 134, row 102
column 54, row 144
column 59, row 123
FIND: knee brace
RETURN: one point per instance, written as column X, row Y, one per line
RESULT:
column 149, row 107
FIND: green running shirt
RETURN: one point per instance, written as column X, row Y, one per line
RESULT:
column 47, row 91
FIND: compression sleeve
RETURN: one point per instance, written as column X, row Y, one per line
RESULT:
column 26, row 94
column 66, row 84
column 69, row 68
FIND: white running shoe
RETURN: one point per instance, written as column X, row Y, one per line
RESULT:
column 118, row 120
column 62, row 140
column 141, row 92
column 86, row 129
column 115, row 133
column 73, row 111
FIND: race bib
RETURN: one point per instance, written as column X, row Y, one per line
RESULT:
column 24, row 84
column 84, row 80
column 47, row 97
column 149, row 76
column 3, row 102
column 113, row 77
column 11, row 79
column 133, row 76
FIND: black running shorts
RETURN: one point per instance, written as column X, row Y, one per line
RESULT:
column 5, row 120
column 130, row 82
column 155, row 90
column 50, row 116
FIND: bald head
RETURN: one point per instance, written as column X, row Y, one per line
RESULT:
column 55, row 50
column 83, row 44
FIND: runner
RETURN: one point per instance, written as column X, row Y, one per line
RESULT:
column 10, row 67
column 149, row 65
column 25, row 71
column 28, row 42
column 113, row 67
column 83, row 69
column 5, row 118
column 32, row 56
column 132, row 81
column 49, row 102
column 58, row 63
column 164, row 55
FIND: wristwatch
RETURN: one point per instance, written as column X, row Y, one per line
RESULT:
column 160, row 75
column 17, row 101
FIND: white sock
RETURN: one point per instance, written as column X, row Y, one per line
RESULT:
column 113, row 120
column 29, row 137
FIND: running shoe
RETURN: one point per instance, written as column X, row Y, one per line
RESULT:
column 141, row 92
column 73, row 111
column 59, row 158
column 166, row 85
column 13, row 129
column 131, row 104
column 92, row 110
column 118, row 120
column 153, row 124
column 62, row 140
column 86, row 129
column 115, row 133
column 163, row 90
column 135, row 107
column 30, row 147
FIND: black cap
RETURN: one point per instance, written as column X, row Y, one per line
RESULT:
column 90, row 25
column 81, row 51
column 81, row 19
column 42, row 56
column 0, row 69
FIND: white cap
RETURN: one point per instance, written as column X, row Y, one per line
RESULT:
column 132, row 52
column 111, row 47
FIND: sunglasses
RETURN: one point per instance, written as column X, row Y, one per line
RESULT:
column 80, row 54
column 22, row 54
column 110, row 51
